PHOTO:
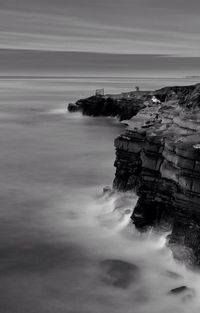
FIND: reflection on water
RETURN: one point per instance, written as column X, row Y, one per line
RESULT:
column 64, row 246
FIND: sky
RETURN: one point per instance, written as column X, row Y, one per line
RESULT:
column 168, row 29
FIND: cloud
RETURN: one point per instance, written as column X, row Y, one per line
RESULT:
column 130, row 26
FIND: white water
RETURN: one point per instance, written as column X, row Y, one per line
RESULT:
column 56, row 226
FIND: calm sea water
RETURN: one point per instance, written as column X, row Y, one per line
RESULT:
column 57, row 230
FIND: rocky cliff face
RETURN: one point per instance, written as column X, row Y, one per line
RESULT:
column 158, row 156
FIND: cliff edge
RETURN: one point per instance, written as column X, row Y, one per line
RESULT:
column 123, row 106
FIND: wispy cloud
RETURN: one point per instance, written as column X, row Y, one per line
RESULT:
column 92, row 43
column 144, row 30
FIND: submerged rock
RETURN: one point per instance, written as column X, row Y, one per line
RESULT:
column 185, row 292
column 173, row 275
column 119, row 273
column 107, row 189
column 178, row 290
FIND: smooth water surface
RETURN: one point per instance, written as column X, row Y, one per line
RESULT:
column 65, row 248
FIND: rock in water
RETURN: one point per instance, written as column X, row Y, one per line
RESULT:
column 72, row 107
column 178, row 290
column 107, row 189
column 186, row 292
column 119, row 273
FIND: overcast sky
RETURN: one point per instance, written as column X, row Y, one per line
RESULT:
column 110, row 26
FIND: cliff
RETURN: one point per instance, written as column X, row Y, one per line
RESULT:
column 158, row 156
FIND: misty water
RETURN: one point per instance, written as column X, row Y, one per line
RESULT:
column 65, row 247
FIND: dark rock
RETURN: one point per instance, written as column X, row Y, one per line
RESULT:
column 186, row 293
column 174, row 93
column 123, row 108
column 119, row 273
column 107, row 189
column 178, row 290
column 72, row 107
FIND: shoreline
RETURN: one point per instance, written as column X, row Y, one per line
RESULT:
column 157, row 157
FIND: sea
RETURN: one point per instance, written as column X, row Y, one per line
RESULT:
column 65, row 247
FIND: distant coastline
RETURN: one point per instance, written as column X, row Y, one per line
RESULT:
column 95, row 77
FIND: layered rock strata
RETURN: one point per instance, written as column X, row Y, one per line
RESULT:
column 158, row 156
